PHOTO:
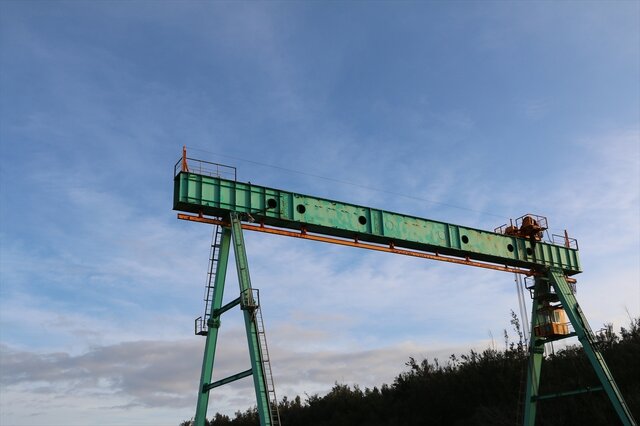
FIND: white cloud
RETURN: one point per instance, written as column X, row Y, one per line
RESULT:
column 153, row 375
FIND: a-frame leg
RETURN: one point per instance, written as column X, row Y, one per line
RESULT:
column 587, row 338
column 536, row 353
column 249, row 320
column 212, row 334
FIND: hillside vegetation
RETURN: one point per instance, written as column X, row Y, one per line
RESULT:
column 479, row 388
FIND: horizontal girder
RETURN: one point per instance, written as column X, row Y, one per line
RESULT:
column 358, row 244
column 215, row 196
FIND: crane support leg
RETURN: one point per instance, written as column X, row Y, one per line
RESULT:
column 212, row 336
column 588, row 340
column 556, row 279
column 536, row 353
column 244, row 281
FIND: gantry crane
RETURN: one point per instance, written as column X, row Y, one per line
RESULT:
column 211, row 194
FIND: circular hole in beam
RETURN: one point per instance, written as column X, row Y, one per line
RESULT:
column 301, row 208
column 510, row 247
column 465, row 239
column 271, row 203
column 529, row 251
column 362, row 220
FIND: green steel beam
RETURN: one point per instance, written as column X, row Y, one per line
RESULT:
column 244, row 281
column 229, row 379
column 225, row 308
column 569, row 393
column 212, row 335
column 214, row 196
column 588, row 340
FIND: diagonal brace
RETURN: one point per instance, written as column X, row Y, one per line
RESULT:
column 226, row 380
column 225, row 308
column 586, row 337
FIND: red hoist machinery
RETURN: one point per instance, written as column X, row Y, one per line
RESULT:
column 210, row 193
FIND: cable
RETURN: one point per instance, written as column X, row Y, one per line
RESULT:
column 344, row 182
column 523, row 308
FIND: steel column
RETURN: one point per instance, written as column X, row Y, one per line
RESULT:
column 213, row 325
column 244, row 281
column 536, row 353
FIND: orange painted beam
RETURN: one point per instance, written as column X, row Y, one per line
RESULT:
column 355, row 243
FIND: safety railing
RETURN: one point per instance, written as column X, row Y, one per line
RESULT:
column 250, row 299
column 539, row 221
column 564, row 240
column 199, row 327
column 536, row 225
column 205, row 168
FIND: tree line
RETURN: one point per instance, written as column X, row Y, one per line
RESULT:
column 478, row 388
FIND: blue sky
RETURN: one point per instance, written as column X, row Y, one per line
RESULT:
column 480, row 111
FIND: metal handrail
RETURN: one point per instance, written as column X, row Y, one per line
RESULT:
column 205, row 168
column 563, row 240
column 198, row 326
